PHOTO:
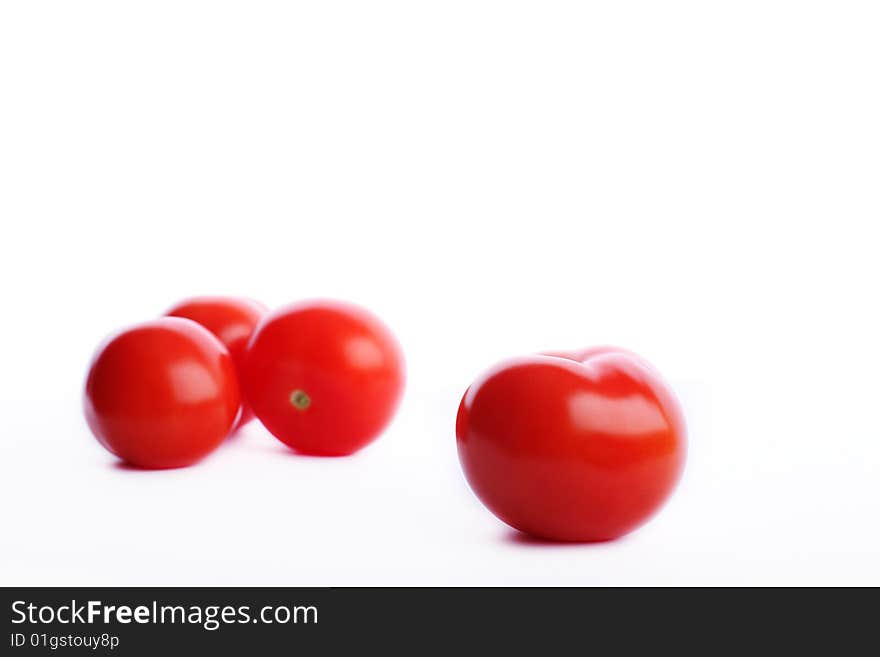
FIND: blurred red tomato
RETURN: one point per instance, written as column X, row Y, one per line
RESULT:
column 325, row 377
column 161, row 394
column 573, row 446
column 231, row 320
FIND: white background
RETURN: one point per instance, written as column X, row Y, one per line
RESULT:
column 695, row 181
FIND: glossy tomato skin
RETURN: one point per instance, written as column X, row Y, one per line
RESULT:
column 162, row 394
column 324, row 377
column 232, row 320
column 576, row 446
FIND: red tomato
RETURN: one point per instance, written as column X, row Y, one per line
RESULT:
column 162, row 394
column 325, row 377
column 579, row 446
column 231, row 320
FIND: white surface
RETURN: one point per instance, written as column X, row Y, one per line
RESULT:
column 694, row 181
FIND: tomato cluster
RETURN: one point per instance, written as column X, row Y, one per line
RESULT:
column 567, row 446
column 324, row 377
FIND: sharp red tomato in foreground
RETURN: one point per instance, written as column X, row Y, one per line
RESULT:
column 324, row 377
column 580, row 446
column 162, row 394
column 231, row 319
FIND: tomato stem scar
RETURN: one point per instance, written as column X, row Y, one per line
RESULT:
column 300, row 400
